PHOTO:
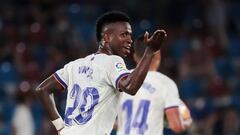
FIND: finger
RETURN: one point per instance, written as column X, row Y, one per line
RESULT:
column 160, row 35
column 157, row 31
column 155, row 34
column 146, row 34
column 163, row 32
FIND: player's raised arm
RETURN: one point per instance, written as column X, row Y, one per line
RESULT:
column 132, row 82
column 45, row 94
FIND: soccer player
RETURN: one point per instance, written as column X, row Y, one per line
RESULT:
column 93, row 83
column 143, row 114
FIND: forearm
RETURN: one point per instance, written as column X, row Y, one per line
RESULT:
column 48, row 103
column 176, row 126
column 134, row 80
column 45, row 94
column 173, row 119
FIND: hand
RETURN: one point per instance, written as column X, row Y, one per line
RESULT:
column 156, row 40
column 185, row 115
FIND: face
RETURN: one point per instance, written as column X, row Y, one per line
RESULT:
column 120, row 38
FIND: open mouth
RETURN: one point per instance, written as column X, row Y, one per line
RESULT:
column 127, row 49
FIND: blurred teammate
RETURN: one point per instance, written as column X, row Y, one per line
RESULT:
column 93, row 83
column 143, row 114
column 23, row 122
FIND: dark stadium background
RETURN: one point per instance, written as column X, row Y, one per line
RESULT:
column 202, row 53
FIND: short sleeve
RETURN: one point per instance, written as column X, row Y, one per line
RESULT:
column 172, row 96
column 117, row 70
column 62, row 76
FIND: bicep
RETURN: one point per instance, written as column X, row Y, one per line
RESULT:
column 51, row 84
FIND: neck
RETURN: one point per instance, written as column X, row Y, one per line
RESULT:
column 105, row 49
column 152, row 68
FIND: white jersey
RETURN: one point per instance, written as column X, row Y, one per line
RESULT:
column 92, row 97
column 143, row 114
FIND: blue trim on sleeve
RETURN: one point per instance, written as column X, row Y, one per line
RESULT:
column 116, row 83
column 60, row 80
column 171, row 107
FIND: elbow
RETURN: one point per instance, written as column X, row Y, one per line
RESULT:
column 38, row 91
column 130, row 87
column 132, row 93
column 131, row 90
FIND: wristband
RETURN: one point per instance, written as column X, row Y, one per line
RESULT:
column 58, row 123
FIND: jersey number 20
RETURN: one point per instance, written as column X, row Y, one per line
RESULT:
column 138, row 120
column 83, row 105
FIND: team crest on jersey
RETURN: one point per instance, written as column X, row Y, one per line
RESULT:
column 120, row 66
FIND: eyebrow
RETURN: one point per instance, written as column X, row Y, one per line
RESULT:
column 126, row 31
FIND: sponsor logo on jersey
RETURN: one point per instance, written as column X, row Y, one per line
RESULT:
column 120, row 67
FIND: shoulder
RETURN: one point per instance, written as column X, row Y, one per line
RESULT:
column 80, row 60
column 165, row 86
column 114, row 58
column 74, row 62
column 105, row 57
column 109, row 60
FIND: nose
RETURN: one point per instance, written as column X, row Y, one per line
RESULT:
column 130, row 41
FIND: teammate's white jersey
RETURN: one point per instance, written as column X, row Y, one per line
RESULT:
column 143, row 114
column 92, row 98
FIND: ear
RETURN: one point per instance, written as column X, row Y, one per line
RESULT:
column 107, row 37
